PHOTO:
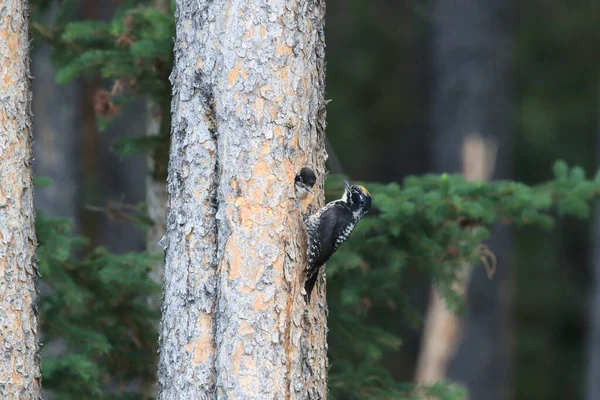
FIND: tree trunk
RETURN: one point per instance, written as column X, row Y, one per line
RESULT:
column 157, row 124
column 19, row 365
column 469, row 55
column 55, row 147
column 107, row 178
column 57, row 119
column 248, row 112
column 593, row 369
column 156, row 182
column 442, row 328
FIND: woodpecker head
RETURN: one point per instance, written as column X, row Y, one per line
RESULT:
column 358, row 198
column 304, row 182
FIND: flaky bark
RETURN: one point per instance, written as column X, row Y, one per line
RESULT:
column 248, row 112
column 19, row 365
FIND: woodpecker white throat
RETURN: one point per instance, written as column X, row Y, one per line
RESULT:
column 329, row 227
column 304, row 182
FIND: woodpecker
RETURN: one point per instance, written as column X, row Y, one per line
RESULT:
column 329, row 227
column 304, row 182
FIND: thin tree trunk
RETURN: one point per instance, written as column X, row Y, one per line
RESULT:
column 247, row 113
column 56, row 110
column 593, row 353
column 442, row 330
column 20, row 376
column 156, row 182
column 156, row 194
column 105, row 176
column 157, row 124
column 55, row 147
column 469, row 55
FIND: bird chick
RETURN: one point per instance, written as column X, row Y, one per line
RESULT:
column 304, row 182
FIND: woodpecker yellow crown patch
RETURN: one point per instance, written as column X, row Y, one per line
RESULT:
column 364, row 189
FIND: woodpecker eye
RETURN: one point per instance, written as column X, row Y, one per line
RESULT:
column 356, row 195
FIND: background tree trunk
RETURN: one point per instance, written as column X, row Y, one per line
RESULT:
column 248, row 112
column 56, row 130
column 105, row 177
column 20, row 376
column 442, row 327
column 592, row 391
column 55, row 147
column 471, row 101
column 157, row 123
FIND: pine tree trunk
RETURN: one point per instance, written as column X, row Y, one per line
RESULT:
column 106, row 177
column 592, row 391
column 55, row 148
column 156, row 185
column 56, row 130
column 19, row 365
column 248, row 112
column 156, row 194
column 470, row 67
column 157, row 124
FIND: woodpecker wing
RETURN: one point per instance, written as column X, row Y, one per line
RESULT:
column 332, row 227
column 327, row 230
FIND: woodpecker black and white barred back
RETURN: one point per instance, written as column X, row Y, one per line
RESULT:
column 304, row 182
column 329, row 227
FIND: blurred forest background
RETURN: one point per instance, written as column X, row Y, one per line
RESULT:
column 407, row 80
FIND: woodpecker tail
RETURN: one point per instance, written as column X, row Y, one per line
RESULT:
column 309, row 285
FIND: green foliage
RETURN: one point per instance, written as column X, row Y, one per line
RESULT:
column 133, row 50
column 96, row 303
column 431, row 223
column 434, row 223
column 127, row 146
column 95, row 307
column 364, row 381
column 135, row 47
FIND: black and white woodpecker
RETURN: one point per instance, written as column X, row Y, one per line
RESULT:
column 304, row 182
column 329, row 227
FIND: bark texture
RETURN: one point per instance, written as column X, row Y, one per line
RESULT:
column 19, row 365
column 248, row 112
column 470, row 100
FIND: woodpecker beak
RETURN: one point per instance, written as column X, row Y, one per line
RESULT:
column 347, row 185
column 309, row 189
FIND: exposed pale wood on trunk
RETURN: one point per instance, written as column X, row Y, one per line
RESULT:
column 19, row 365
column 443, row 328
column 469, row 55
